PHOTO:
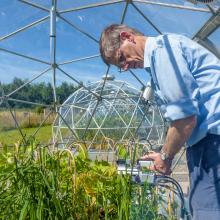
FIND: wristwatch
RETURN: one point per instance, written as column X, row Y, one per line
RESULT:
column 165, row 156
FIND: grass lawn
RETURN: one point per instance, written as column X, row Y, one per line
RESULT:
column 10, row 137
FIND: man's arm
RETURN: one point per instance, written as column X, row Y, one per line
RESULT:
column 178, row 133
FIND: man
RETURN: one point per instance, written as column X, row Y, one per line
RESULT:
column 185, row 78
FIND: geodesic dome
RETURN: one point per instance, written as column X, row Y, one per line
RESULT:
column 57, row 41
column 108, row 109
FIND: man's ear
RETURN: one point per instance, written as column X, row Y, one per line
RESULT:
column 124, row 35
column 127, row 36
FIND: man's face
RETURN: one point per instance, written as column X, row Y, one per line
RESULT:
column 130, row 54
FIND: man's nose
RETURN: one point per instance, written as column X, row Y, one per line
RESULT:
column 125, row 67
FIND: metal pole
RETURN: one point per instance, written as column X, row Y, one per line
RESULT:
column 91, row 6
column 24, row 56
column 133, row 74
column 29, row 82
column 97, row 103
column 78, row 29
column 125, row 11
column 81, row 84
column 53, row 49
column 34, row 5
column 23, row 101
column 178, row 6
column 146, row 18
column 79, row 59
column 24, row 28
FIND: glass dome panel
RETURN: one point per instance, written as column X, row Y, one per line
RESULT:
column 78, row 28
column 120, row 114
column 175, row 20
column 73, row 42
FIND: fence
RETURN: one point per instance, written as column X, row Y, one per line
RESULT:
column 24, row 118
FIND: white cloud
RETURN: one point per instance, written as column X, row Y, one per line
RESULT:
column 80, row 18
column 2, row 13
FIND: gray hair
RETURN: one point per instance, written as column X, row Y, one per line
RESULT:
column 110, row 40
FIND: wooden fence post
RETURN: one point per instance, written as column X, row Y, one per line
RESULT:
column 15, row 118
column 29, row 118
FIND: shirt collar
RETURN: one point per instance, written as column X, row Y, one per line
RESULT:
column 149, row 46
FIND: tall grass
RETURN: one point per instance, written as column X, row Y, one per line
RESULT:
column 42, row 183
column 25, row 119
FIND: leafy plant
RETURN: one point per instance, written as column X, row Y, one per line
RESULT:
column 43, row 183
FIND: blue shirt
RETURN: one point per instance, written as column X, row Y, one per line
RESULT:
column 186, row 81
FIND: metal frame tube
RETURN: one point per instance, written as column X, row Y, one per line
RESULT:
column 53, row 48
column 35, row 5
column 97, row 103
column 13, row 116
column 53, row 15
column 91, row 6
column 24, row 56
column 133, row 74
column 41, row 124
column 24, row 28
column 124, row 12
column 72, row 131
column 27, row 102
column 209, row 27
column 78, row 29
column 172, row 5
column 17, row 125
column 146, row 18
column 107, row 113
column 22, row 86
column 96, row 95
column 79, row 59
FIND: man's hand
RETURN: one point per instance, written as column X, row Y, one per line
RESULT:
column 177, row 134
column 161, row 166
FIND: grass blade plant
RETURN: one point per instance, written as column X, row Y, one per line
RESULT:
column 43, row 183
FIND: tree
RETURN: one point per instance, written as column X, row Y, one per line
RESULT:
column 36, row 92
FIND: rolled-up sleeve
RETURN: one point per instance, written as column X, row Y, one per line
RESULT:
column 176, row 85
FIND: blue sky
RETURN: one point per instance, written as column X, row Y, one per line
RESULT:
column 71, row 44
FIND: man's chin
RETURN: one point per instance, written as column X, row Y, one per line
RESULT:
column 134, row 66
column 138, row 66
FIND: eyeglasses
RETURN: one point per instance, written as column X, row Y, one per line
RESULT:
column 121, row 57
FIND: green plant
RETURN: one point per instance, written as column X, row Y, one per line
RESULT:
column 43, row 183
